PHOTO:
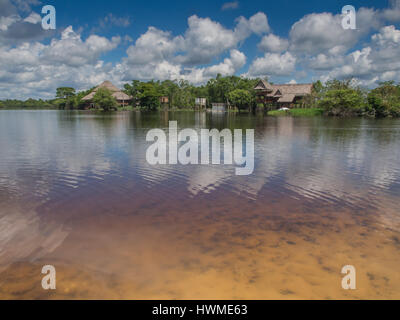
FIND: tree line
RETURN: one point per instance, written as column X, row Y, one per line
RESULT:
column 335, row 97
column 182, row 94
column 344, row 98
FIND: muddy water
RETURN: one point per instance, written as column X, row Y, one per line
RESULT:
column 76, row 192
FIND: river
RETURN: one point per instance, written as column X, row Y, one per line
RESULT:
column 76, row 192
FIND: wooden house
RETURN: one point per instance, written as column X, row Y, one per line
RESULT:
column 164, row 100
column 122, row 98
column 200, row 103
column 281, row 95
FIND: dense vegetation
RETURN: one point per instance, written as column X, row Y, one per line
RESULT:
column 334, row 98
column 28, row 104
column 298, row 112
column 181, row 94
column 342, row 98
column 104, row 99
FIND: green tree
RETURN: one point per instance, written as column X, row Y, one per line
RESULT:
column 149, row 96
column 318, row 87
column 376, row 106
column 312, row 100
column 218, row 89
column 65, row 92
column 384, row 100
column 240, row 98
column 77, row 102
column 343, row 102
column 133, row 90
column 171, row 90
column 184, row 95
column 103, row 98
column 337, row 85
column 66, row 95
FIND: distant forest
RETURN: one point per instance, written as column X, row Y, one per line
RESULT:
column 335, row 97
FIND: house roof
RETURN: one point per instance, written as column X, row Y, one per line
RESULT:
column 287, row 97
column 107, row 85
column 116, row 93
column 263, row 85
column 121, row 96
column 288, row 92
column 297, row 89
column 89, row 96
column 284, row 92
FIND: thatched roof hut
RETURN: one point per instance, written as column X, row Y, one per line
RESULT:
column 281, row 93
column 120, row 96
column 263, row 85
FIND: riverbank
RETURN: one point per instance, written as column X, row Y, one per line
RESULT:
column 309, row 112
column 28, row 108
column 296, row 112
column 291, row 112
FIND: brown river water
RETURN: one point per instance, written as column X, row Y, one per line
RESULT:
column 76, row 192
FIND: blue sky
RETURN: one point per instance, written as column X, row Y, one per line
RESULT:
column 173, row 15
column 122, row 40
